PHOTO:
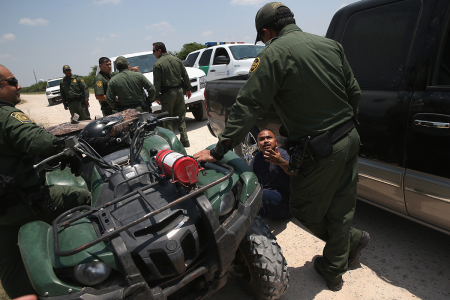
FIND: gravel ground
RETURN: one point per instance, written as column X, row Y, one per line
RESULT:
column 403, row 260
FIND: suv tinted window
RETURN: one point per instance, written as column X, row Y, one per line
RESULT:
column 205, row 58
column 377, row 43
column 192, row 57
column 444, row 69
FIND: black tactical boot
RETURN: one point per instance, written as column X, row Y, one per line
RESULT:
column 355, row 254
column 331, row 285
column 186, row 144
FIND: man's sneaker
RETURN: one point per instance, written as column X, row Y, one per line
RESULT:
column 186, row 144
column 331, row 285
column 355, row 254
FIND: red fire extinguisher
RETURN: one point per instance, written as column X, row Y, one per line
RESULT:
column 177, row 166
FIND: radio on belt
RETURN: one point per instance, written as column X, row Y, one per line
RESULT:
column 177, row 166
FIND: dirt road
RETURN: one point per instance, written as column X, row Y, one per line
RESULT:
column 404, row 260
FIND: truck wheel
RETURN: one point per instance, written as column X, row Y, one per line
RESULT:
column 260, row 263
column 51, row 102
column 200, row 112
column 248, row 148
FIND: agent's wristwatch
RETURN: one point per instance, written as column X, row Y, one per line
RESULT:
column 214, row 154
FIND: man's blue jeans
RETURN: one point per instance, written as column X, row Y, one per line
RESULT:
column 274, row 205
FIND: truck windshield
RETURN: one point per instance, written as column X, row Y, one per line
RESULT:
column 53, row 83
column 245, row 51
column 144, row 62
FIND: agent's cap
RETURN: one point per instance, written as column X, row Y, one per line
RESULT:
column 121, row 62
column 268, row 14
column 66, row 67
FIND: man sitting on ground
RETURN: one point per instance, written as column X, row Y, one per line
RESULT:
column 270, row 166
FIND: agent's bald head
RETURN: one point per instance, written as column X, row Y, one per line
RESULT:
column 9, row 91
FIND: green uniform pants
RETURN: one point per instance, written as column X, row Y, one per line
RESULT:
column 13, row 275
column 323, row 199
column 173, row 102
column 106, row 109
column 78, row 107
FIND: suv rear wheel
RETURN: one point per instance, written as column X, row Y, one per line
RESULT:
column 200, row 111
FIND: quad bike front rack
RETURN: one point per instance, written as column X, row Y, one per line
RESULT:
column 115, row 231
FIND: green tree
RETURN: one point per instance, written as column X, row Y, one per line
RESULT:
column 35, row 88
column 90, row 78
column 186, row 49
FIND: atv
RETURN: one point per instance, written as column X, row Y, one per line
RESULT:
column 160, row 225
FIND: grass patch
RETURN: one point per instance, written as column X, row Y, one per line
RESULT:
column 33, row 93
column 22, row 101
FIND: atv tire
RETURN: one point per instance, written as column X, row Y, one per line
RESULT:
column 263, row 268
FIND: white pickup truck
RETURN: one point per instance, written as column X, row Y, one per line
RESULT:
column 145, row 61
column 224, row 60
column 52, row 91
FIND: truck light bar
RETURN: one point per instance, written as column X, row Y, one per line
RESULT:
column 210, row 44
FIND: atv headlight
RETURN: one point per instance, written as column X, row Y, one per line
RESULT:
column 48, row 93
column 227, row 203
column 92, row 273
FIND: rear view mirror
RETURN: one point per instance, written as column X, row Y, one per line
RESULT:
column 222, row 60
column 186, row 63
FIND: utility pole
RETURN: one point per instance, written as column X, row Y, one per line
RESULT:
column 34, row 76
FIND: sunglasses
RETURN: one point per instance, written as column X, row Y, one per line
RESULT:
column 11, row 81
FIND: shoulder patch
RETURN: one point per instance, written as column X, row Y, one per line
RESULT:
column 21, row 117
column 82, row 80
column 74, row 80
column 255, row 65
column 99, row 84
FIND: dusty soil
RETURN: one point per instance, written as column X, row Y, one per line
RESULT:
column 404, row 260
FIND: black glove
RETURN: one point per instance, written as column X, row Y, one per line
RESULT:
column 75, row 162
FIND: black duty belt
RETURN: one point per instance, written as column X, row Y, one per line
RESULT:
column 123, row 107
column 165, row 89
column 70, row 100
column 338, row 132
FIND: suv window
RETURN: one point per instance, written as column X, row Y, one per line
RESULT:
column 192, row 58
column 377, row 43
column 247, row 51
column 220, row 52
column 53, row 83
column 444, row 69
column 144, row 62
column 205, row 58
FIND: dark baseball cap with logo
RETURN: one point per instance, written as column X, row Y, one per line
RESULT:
column 268, row 14
column 66, row 67
column 121, row 61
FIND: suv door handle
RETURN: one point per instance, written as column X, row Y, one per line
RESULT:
column 431, row 124
column 212, row 70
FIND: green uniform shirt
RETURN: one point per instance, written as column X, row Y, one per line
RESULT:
column 306, row 77
column 169, row 72
column 101, row 82
column 22, row 144
column 73, row 88
column 128, row 85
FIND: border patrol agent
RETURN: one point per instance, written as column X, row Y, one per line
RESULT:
column 169, row 78
column 23, row 143
column 128, row 86
column 75, row 94
column 312, row 87
column 101, row 82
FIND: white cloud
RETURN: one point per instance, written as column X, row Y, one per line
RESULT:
column 100, row 39
column 113, row 35
column 163, row 27
column 342, row 5
column 207, row 33
column 96, row 51
column 107, row 1
column 36, row 22
column 148, row 38
column 247, row 2
column 4, row 56
column 7, row 37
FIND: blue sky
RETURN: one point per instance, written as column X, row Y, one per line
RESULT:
column 45, row 35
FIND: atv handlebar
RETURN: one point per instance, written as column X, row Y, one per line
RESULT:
column 70, row 145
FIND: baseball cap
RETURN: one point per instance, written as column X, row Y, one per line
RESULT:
column 66, row 67
column 268, row 14
column 121, row 61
